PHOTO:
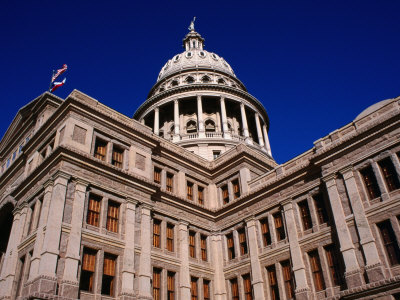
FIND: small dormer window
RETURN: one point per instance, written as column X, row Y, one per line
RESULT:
column 191, row 127
column 214, row 56
column 189, row 79
column 174, row 83
column 189, row 54
column 194, row 44
column 205, row 79
column 221, row 81
column 202, row 54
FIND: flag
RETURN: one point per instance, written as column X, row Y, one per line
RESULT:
column 59, row 72
column 56, row 85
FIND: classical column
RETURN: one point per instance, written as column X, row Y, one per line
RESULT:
column 128, row 264
column 70, row 285
column 184, row 279
column 176, row 136
column 225, row 128
column 244, row 123
column 256, row 271
column 353, row 274
column 302, row 288
column 51, row 242
column 267, row 145
column 157, row 121
column 367, row 241
column 259, row 132
column 381, row 183
column 218, row 264
column 10, row 261
column 200, row 117
column 145, row 273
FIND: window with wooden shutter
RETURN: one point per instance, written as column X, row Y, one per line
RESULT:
column 265, row 232
column 305, row 215
column 87, row 270
column 287, row 279
column 192, row 244
column 333, row 264
column 206, row 289
column 316, row 270
column 242, row 241
column 170, row 286
column 389, row 174
column 248, row 290
column 170, row 237
column 156, row 233
column 156, row 284
column 203, row 246
column 100, row 149
column 370, row 183
column 230, row 246
column 112, row 216
column 234, row 289
column 189, row 188
column 273, row 283
column 157, row 175
column 200, row 195
column 170, row 182
column 320, row 208
column 108, row 282
column 93, row 215
column 236, row 188
column 225, row 194
column 389, row 242
column 117, row 156
column 193, row 288
column 280, row 230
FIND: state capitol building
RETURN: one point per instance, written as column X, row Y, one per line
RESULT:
column 185, row 201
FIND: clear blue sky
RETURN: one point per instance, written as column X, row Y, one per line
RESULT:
column 313, row 64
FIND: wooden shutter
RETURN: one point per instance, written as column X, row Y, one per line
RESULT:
column 109, row 265
column 93, row 216
column 193, row 288
column 171, row 285
column 89, row 261
column 156, row 233
column 235, row 289
column 170, row 237
column 117, row 157
column 112, row 216
column 316, row 270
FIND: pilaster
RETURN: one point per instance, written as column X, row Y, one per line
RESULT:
column 184, row 280
column 145, row 273
column 218, row 263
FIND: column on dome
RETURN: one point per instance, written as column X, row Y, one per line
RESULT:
column 267, row 145
column 157, row 120
column 245, row 127
column 184, row 287
column 200, row 121
column 352, row 274
column 225, row 128
column 259, row 132
column 145, row 273
column 373, row 263
column 176, row 136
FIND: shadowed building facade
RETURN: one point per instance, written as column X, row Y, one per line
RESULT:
column 185, row 201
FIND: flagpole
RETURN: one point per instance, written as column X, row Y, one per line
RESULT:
column 51, row 80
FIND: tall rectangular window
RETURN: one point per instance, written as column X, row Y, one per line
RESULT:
column 333, row 264
column 248, row 290
column 225, row 194
column 170, row 182
column 193, row 288
column 203, row 246
column 390, row 242
column 280, row 230
column 370, row 182
column 156, row 233
column 206, row 289
column 189, row 189
column 320, row 208
column 117, row 156
column 389, row 174
column 170, row 286
column 242, row 241
column 200, row 195
column 112, row 216
column 265, row 232
column 236, row 188
column 87, row 270
column 234, row 289
column 93, row 215
column 230, row 246
column 157, row 175
column 100, row 149
column 170, row 237
column 287, row 279
column 273, row 283
column 156, row 284
column 305, row 215
column 316, row 270
column 192, row 244
column 108, row 282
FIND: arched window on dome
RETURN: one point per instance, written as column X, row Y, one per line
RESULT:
column 189, row 79
column 221, row 81
column 162, row 88
column 205, row 79
column 174, row 83
column 209, row 126
column 191, row 127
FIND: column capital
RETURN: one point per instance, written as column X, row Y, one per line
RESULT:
column 184, row 223
column 330, row 180
column 61, row 175
column 48, row 185
column 287, row 204
column 198, row 96
column 146, row 206
column 176, row 100
column 82, row 182
column 249, row 219
column 347, row 172
column 132, row 200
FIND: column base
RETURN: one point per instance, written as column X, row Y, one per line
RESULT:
column 127, row 296
column 69, row 289
column 374, row 272
column 249, row 141
column 302, row 294
column 176, row 138
column 353, row 279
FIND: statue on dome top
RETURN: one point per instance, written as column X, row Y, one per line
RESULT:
column 191, row 27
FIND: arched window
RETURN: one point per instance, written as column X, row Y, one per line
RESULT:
column 174, row 83
column 221, row 81
column 191, row 127
column 205, row 79
column 189, row 79
column 210, row 126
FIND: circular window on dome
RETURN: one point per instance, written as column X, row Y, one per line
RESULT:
column 177, row 57
column 215, row 56
column 202, row 54
column 189, row 54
